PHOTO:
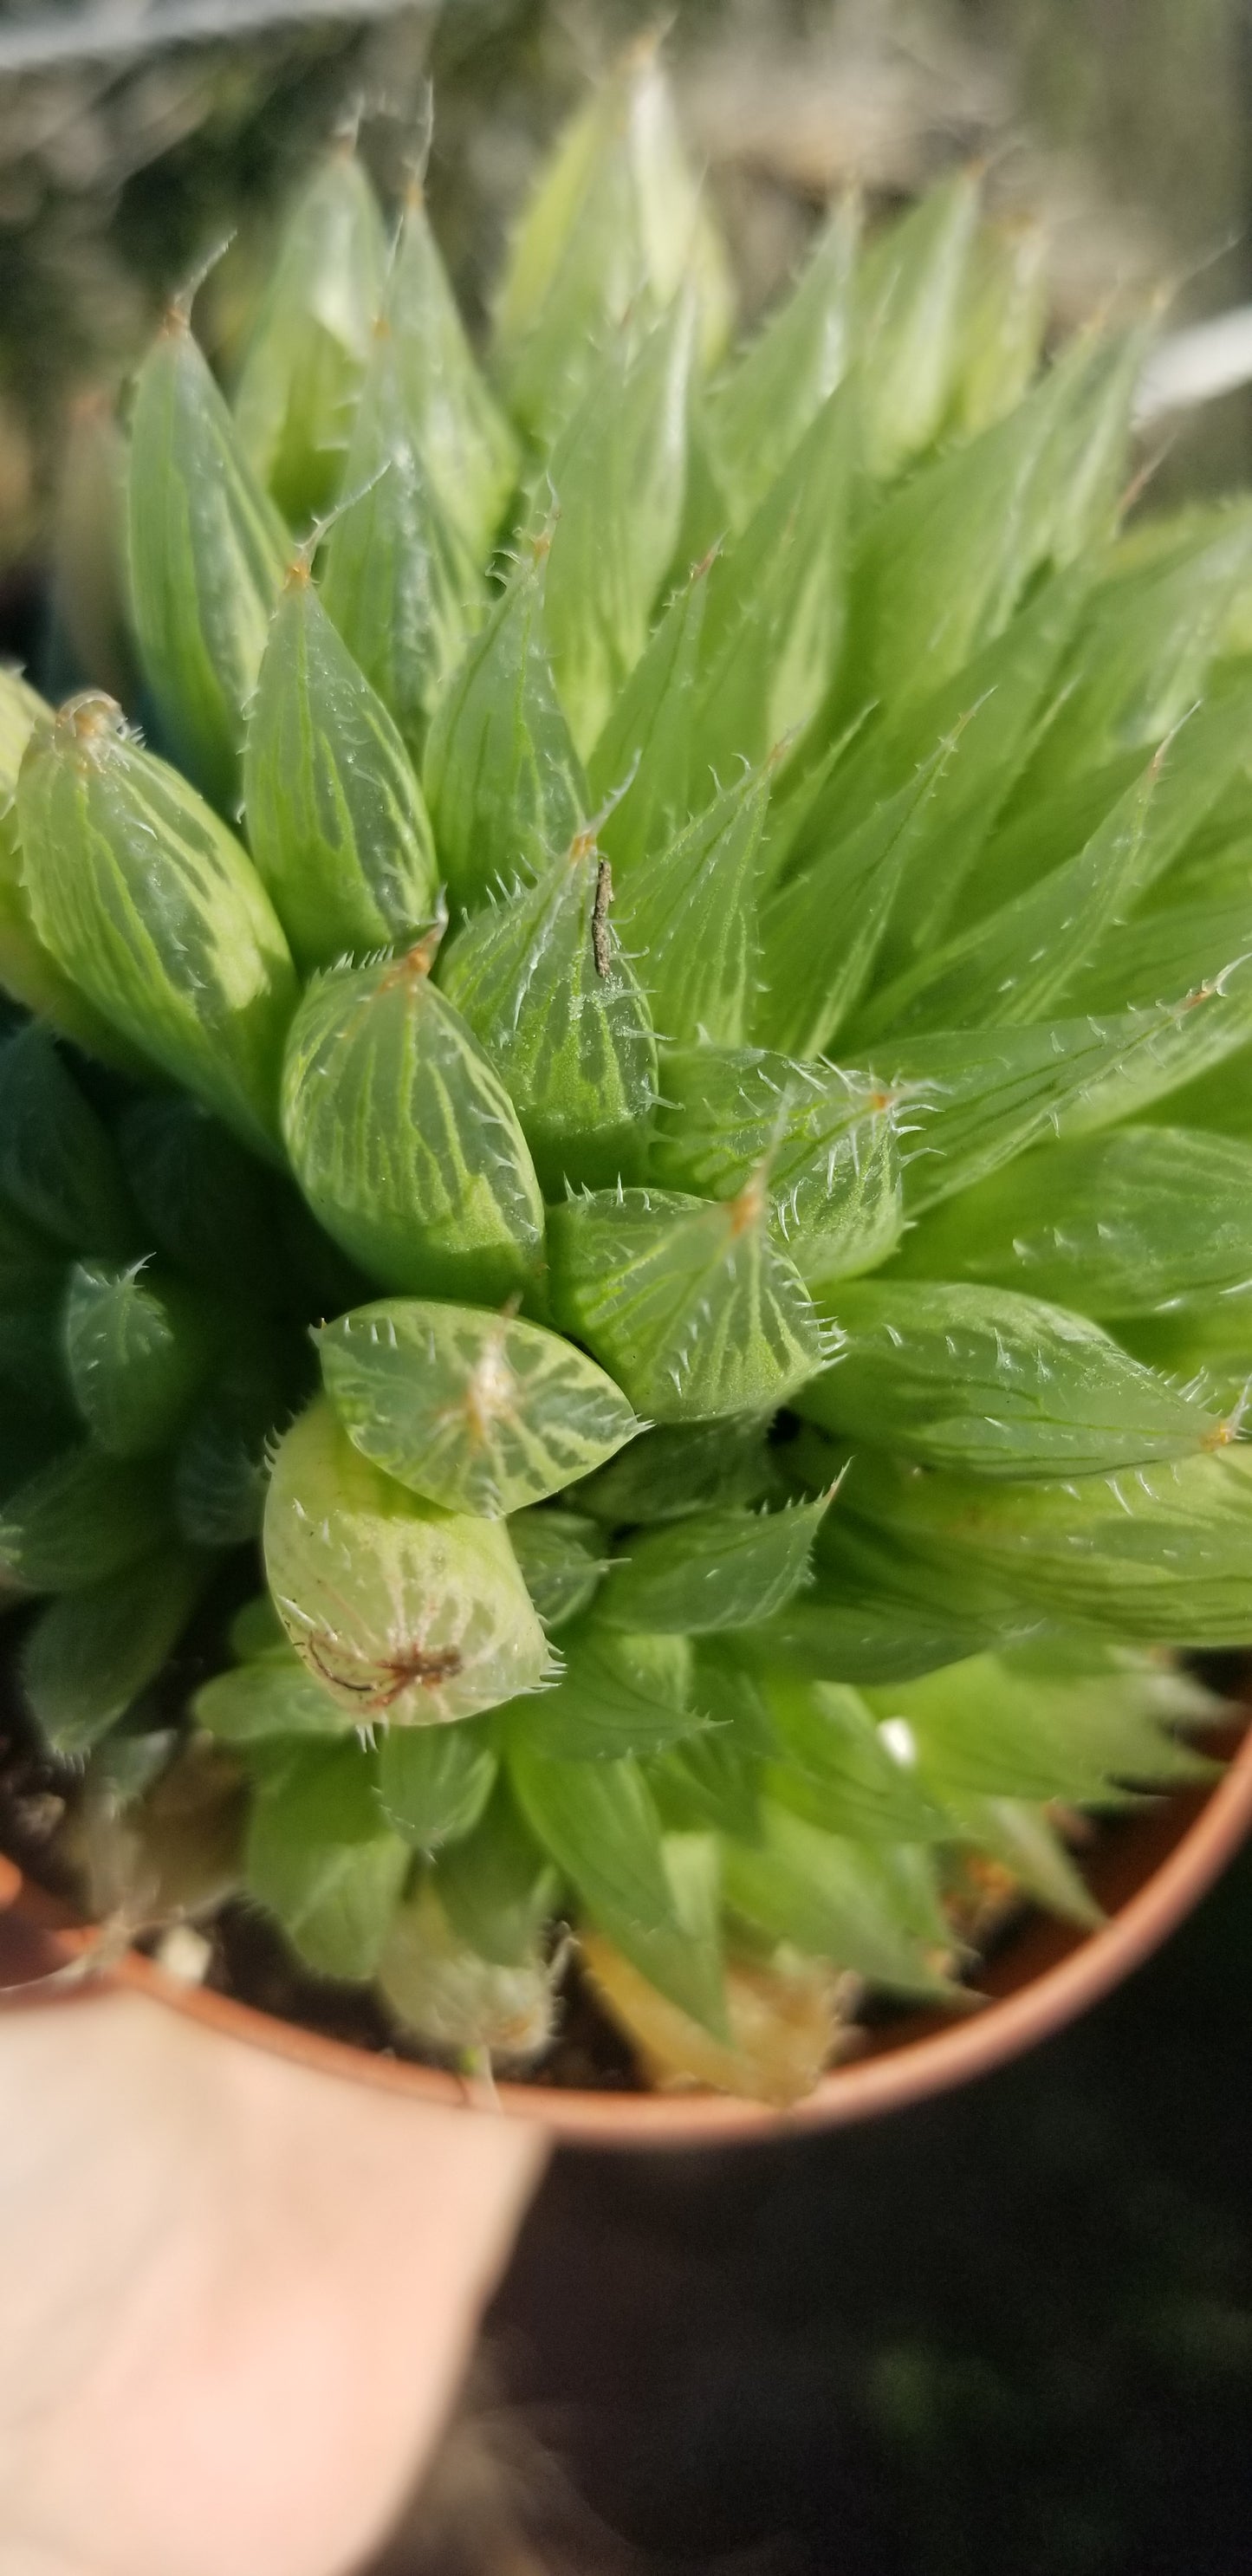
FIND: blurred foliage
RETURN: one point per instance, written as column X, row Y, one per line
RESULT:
column 1120, row 122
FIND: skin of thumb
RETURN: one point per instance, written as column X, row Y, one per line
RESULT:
column 239, row 2295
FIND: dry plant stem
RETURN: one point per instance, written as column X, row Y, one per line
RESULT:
column 238, row 2296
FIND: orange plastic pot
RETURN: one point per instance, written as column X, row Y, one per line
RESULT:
column 1148, row 1873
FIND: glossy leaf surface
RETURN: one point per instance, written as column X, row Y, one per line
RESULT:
column 481, row 1413
column 403, row 1138
column 336, row 821
column 407, row 1613
column 686, row 1304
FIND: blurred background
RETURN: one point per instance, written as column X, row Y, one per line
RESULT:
column 137, row 134
column 1011, row 2332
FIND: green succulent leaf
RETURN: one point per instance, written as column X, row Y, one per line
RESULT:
column 148, row 902
column 616, row 474
column 400, row 582
column 599, row 1823
column 137, row 1352
column 260, row 1375
column 434, row 1781
column 687, row 1304
column 458, row 430
column 91, row 1653
column 407, row 1613
column 681, row 1468
column 820, row 932
column 541, row 980
column 481, row 1413
column 862, row 1624
column 707, row 1784
column 58, row 1162
column 1018, row 963
column 563, row 1557
column 1023, row 1840
column 1003, row 317
column 689, row 908
column 715, row 1570
column 1205, row 1350
column 774, row 622
column 319, row 1856
column 643, row 756
column 336, row 821
column 979, row 1378
column 976, row 1098
column 756, row 413
column 205, row 1202
column 220, row 1478
column 403, row 1138
column 454, row 2001
column 272, row 1697
column 257, row 1635
column 1145, row 650
column 1033, row 833
column 207, row 553
column 497, row 1887
column 824, row 1137
column 28, row 973
column 616, row 1695
column 908, row 311
column 310, row 344
column 1077, row 1727
column 503, row 779
column 615, row 226
column 832, row 1898
column 1179, row 948
column 944, row 564
column 1128, row 1221
column 834, row 1767
column 990, row 715
column 80, row 1518
column 1161, row 1553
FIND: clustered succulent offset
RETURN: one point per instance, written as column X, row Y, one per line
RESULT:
column 700, row 937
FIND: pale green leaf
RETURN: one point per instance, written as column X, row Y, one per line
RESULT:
column 687, row 1304
column 306, row 357
column 479, row 1412
column 502, row 777
column 542, row 981
column 403, row 1138
column 320, row 1858
column 336, row 821
column 407, row 1613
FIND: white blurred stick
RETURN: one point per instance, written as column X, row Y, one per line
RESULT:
column 118, row 31
column 1196, row 365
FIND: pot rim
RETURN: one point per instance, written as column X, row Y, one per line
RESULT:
column 1168, row 1859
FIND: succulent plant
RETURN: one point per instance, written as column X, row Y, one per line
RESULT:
column 645, row 1081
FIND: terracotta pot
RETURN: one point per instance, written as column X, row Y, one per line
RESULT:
column 1148, row 1872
